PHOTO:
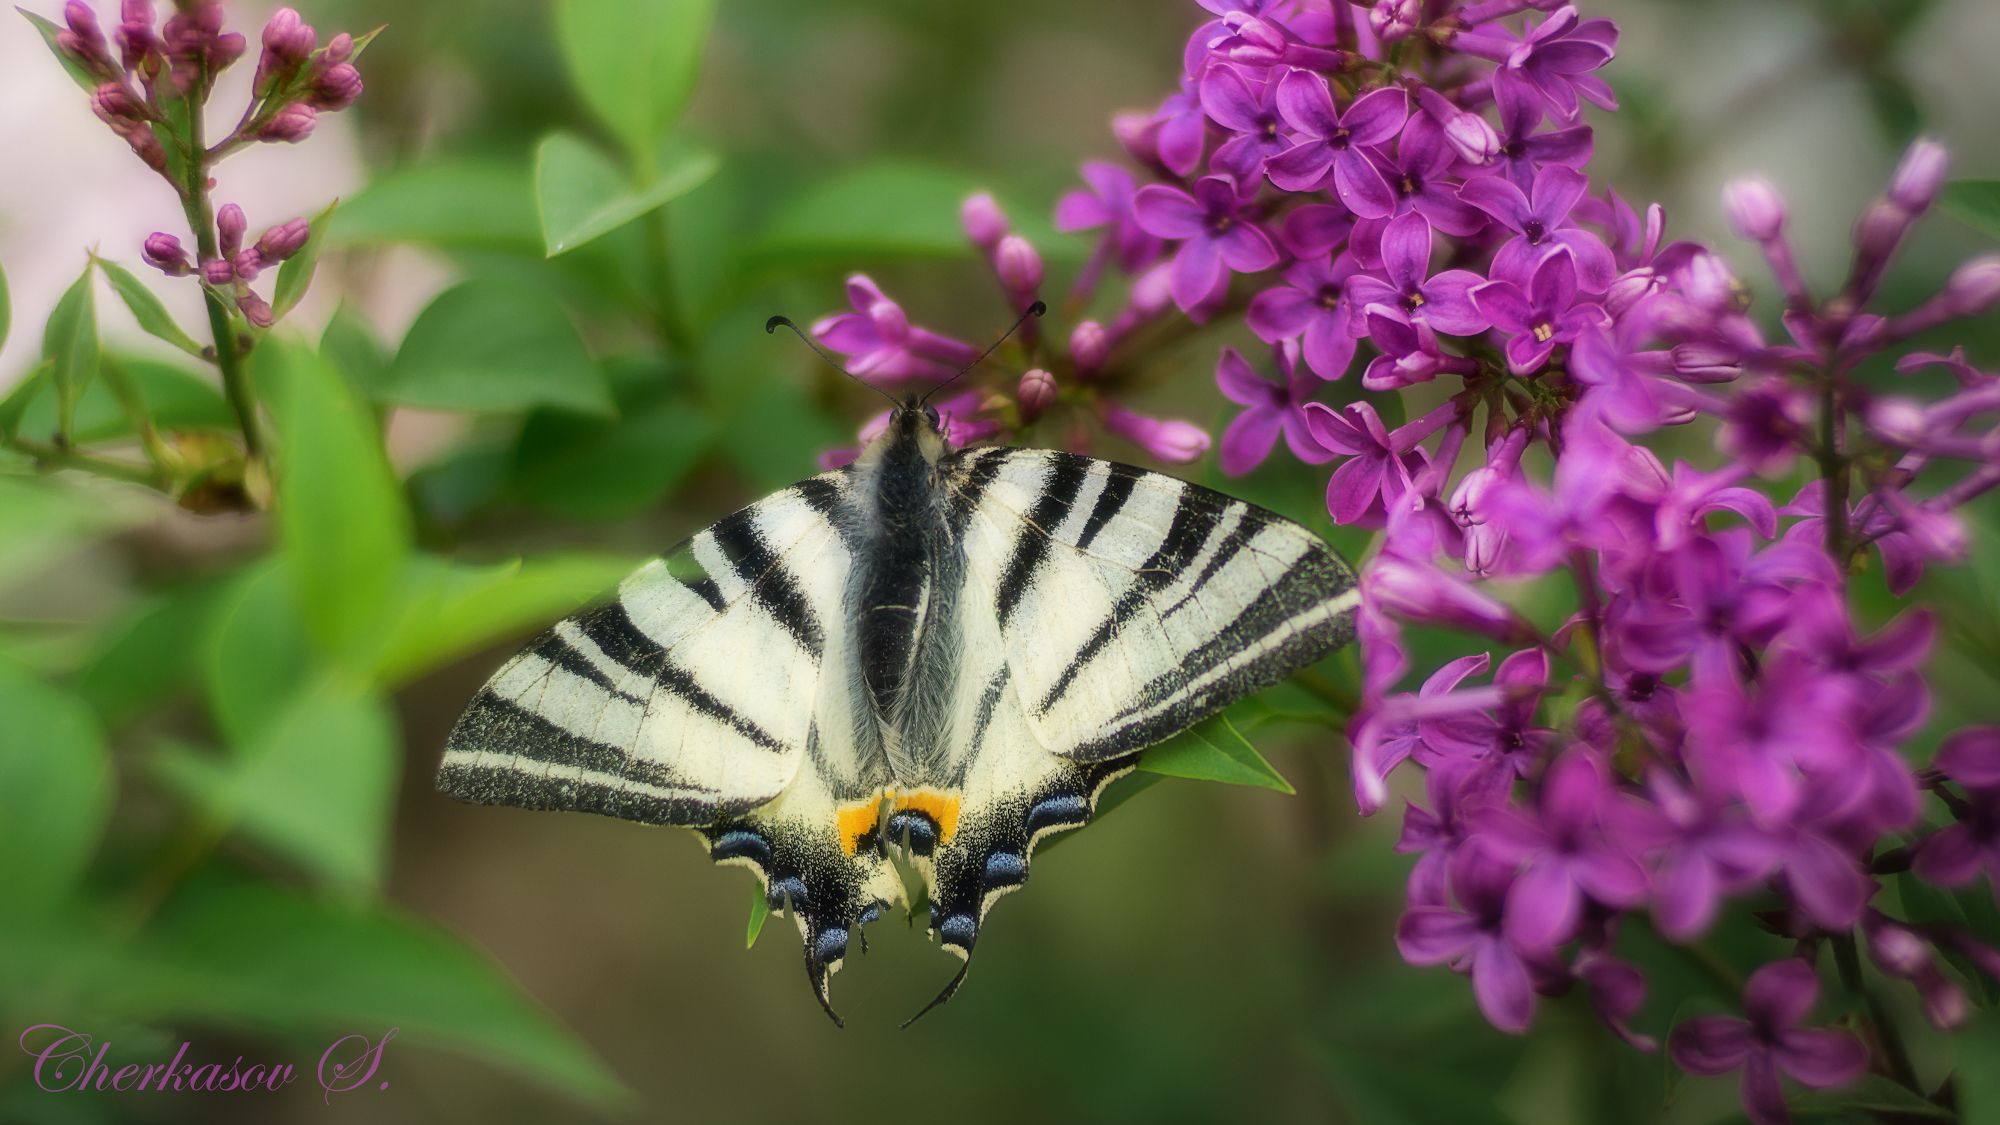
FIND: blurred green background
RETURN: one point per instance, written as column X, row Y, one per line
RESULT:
column 215, row 798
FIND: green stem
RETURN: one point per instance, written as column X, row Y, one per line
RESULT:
column 66, row 458
column 673, row 329
column 228, row 357
column 1898, row 1056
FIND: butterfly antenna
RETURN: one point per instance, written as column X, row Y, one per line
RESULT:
column 1034, row 310
column 949, row 989
column 777, row 322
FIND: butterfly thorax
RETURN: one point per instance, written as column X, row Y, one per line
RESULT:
column 907, row 564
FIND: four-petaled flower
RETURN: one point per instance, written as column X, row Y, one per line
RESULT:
column 1217, row 230
column 1778, row 997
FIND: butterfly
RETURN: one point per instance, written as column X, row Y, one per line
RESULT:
column 941, row 650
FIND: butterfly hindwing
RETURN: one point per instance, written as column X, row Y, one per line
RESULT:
column 1104, row 609
column 697, row 697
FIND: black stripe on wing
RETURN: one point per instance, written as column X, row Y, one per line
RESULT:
column 612, row 631
column 1031, row 546
column 764, row 574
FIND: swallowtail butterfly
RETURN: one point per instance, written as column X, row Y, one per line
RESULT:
column 948, row 650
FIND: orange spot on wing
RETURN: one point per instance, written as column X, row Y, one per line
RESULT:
column 940, row 807
column 856, row 821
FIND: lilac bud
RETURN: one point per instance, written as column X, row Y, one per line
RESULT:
column 1139, row 134
column 288, row 38
column 1756, row 211
column 1896, row 948
column 1392, row 20
column 1898, row 421
column 247, row 264
column 291, row 125
column 1881, row 226
column 985, row 224
column 217, row 271
column 1089, row 344
column 229, row 225
column 339, row 49
column 1706, row 362
column 84, row 40
column 136, row 12
column 283, row 240
column 1975, row 287
column 148, row 148
column 1035, row 394
column 1978, row 952
column 336, row 87
column 225, row 49
column 1166, row 439
column 1468, row 134
column 1423, row 594
column 1920, row 176
column 163, row 252
column 1945, row 1003
column 255, row 309
column 1017, row 263
column 114, row 106
column 82, row 20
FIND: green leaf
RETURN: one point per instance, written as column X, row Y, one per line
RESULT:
column 146, row 307
column 450, row 610
column 1978, row 1078
column 887, row 209
column 350, row 345
column 14, row 404
column 340, row 509
column 634, row 62
column 83, row 78
column 760, row 912
column 175, row 398
column 69, row 343
column 143, row 659
column 239, row 951
column 1212, row 750
column 314, row 787
column 6, row 308
column 256, row 655
column 295, row 276
column 608, row 470
column 497, row 347
column 1871, row 1094
column 448, row 203
column 55, row 790
column 581, row 195
column 1975, row 202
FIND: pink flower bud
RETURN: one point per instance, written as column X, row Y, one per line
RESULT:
column 291, row 125
column 136, row 12
column 1898, row 421
column 164, row 252
column 218, row 271
column 82, row 20
column 114, row 106
column 1468, row 134
column 1166, row 439
column 1756, row 211
column 1881, row 226
column 1036, row 393
column 1393, row 20
column 288, row 38
column 1088, row 346
column 84, row 40
column 225, row 49
column 1425, row 595
column 985, row 224
column 255, row 309
column 1919, row 176
column 1706, row 362
column 283, row 240
column 1018, row 265
column 247, row 264
column 1139, row 134
column 148, row 148
column 229, row 226
column 336, row 87
column 340, row 48
column 1975, row 287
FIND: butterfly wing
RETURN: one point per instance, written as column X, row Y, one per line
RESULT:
column 704, row 695
column 1105, row 608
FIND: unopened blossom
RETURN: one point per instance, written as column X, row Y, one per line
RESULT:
column 881, row 343
column 164, row 252
column 1165, row 439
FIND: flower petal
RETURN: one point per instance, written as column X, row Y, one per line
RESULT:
column 1710, row 1045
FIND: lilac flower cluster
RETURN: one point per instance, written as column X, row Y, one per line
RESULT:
column 151, row 93
column 1708, row 727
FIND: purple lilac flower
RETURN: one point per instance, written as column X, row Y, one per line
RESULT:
column 1248, row 111
column 1165, row 439
column 1546, row 315
column 1108, row 204
column 1333, row 145
column 1269, row 411
column 881, row 343
column 1472, row 939
column 1217, row 231
column 1541, row 222
column 1443, row 300
column 1312, row 307
column 1779, row 996
column 1565, row 854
